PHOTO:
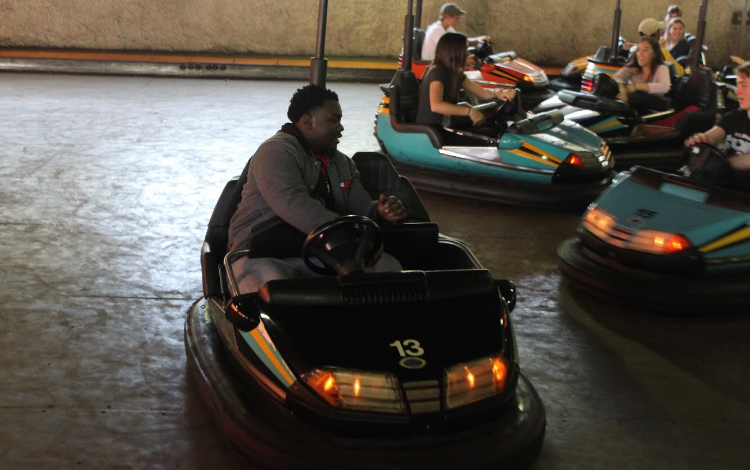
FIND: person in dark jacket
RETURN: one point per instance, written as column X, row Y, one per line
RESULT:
column 299, row 176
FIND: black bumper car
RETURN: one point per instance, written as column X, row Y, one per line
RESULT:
column 410, row 369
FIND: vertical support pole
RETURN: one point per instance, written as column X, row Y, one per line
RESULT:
column 743, row 26
column 699, row 36
column 615, row 33
column 319, row 64
column 408, row 36
column 418, row 14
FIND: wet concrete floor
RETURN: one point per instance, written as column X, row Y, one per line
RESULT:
column 107, row 184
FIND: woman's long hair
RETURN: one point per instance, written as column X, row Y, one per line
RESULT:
column 451, row 53
column 670, row 43
column 658, row 56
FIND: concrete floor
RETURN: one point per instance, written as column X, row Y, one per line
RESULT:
column 107, row 184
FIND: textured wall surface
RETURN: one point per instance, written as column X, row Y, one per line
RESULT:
column 548, row 32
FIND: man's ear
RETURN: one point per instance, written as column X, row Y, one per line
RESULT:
column 308, row 121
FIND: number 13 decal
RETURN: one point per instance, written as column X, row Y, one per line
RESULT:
column 408, row 347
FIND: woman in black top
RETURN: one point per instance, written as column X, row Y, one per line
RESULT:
column 675, row 41
column 444, row 79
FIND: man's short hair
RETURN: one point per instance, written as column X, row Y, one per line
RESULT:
column 743, row 69
column 674, row 9
column 451, row 9
column 308, row 98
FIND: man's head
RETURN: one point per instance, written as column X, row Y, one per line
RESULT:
column 743, row 85
column 651, row 27
column 673, row 11
column 317, row 114
column 450, row 15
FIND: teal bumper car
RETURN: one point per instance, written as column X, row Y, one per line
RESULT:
column 665, row 242
column 537, row 161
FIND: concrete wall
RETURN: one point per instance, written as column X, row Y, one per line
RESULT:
column 548, row 32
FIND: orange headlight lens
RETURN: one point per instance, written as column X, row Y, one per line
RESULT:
column 356, row 390
column 598, row 222
column 663, row 243
column 477, row 380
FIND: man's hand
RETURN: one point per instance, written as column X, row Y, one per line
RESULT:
column 696, row 139
column 390, row 208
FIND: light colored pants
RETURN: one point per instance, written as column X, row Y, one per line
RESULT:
column 251, row 273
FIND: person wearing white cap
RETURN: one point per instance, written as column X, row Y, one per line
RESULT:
column 450, row 15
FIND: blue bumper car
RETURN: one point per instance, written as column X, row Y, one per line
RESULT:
column 666, row 242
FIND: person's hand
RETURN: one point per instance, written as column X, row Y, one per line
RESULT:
column 662, row 42
column 390, row 208
column 476, row 116
column 485, row 39
column 696, row 139
column 623, row 95
column 505, row 94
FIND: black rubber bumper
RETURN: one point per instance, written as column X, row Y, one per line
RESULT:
column 554, row 196
column 270, row 437
column 652, row 291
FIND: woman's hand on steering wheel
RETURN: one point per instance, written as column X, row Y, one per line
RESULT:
column 476, row 116
column 505, row 94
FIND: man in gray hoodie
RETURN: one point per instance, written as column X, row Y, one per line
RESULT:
column 299, row 176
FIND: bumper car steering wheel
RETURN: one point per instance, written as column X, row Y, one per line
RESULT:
column 709, row 164
column 345, row 245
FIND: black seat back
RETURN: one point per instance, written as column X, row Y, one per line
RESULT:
column 403, row 94
column 407, row 101
column 215, row 244
column 698, row 90
column 379, row 176
column 417, row 43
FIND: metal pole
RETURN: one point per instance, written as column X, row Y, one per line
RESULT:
column 743, row 26
column 698, row 46
column 418, row 15
column 408, row 36
column 319, row 63
column 615, row 33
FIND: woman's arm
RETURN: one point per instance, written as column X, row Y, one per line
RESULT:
column 438, row 105
column 660, row 82
column 504, row 94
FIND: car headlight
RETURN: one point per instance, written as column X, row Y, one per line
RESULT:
column 474, row 381
column 604, row 226
column 660, row 243
column 354, row 390
column 598, row 222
